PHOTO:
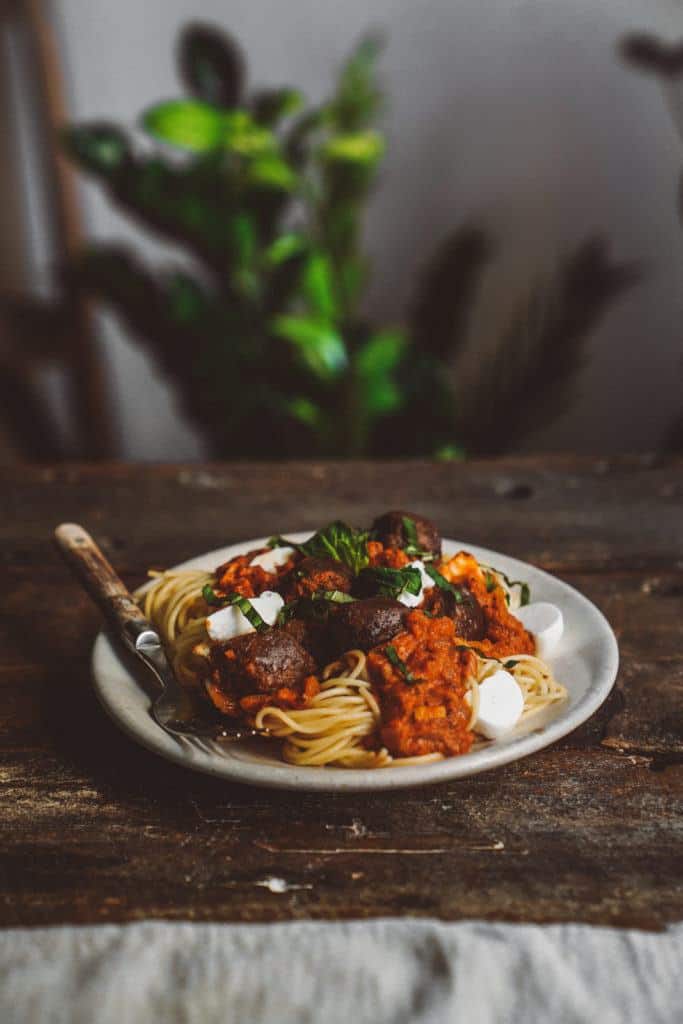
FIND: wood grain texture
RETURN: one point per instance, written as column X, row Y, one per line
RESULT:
column 97, row 829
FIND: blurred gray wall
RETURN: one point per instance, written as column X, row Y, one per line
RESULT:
column 516, row 114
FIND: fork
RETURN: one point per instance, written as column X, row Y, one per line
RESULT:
column 173, row 709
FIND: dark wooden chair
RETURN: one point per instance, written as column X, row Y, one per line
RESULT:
column 37, row 335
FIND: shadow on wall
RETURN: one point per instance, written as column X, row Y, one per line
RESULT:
column 665, row 60
column 268, row 194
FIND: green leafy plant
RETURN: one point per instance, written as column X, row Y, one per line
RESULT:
column 263, row 336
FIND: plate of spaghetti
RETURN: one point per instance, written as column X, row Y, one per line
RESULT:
column 365, row 658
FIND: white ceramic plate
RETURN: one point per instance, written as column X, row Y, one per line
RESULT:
column 585, row 662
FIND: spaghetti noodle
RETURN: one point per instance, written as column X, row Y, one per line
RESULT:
column 339, row 725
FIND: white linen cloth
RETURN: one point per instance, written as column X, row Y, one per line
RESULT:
column 382, row 971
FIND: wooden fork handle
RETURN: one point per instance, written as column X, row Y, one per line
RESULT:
column 97, row 576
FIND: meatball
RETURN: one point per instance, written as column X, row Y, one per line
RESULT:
column 467, row 614
column 390, row 530
column 314, row 636
column 365, row 624
column 261, row 663
column 315, row 574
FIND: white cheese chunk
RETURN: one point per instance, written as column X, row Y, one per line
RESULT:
column 229, row 622
column 426, row 581
column 545, row 622
column 272, row 560
column 500, row 705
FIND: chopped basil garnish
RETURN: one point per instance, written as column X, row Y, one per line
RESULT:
column 335, row 596
column 392, row 582
column 443, row 584
column 280, row 542
column 524, row 592
column 337, row 541
column 488, row 657
column 243, row 603
column 211, row 597
column 398, row 663
column 249, row 612
column 490, row 581
column 412, row 545
column 314, row 607
column 410, row 530
column 287, row 612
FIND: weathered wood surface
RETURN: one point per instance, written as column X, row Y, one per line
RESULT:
column 97, row 829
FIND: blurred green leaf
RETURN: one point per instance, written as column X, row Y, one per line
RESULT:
column 318, row 345
column 381, row 353
column 211, row 65
column 318, row 286
column 270, row 105
column 305, row 411
column 201, row 128
column 243, row 240
column 190, row 124
column 358, row 97
column 374, row 362
column 100, row 147
column 186, row 300
column 359, row 148
column 352, row 275
column 298, row 141
column 244, row 136
column 271, row 171
column 284, row 248
column 450, row 453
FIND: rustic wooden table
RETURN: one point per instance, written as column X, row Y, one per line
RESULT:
column 97, row 829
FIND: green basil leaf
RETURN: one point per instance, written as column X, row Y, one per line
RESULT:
column 410, row 530
column 392, row 582
column 443, row 584
column 287, row 612
column 341, row 543
column 337, row 541
column 243, row 603
column 488, row 657
column 335, row 596
column 412, row 545
column 282, row 542
column 398, row 663
column 210, row 596
column 525, row 591
column 249, row 612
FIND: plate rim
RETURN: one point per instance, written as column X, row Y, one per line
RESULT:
column 325, row 779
